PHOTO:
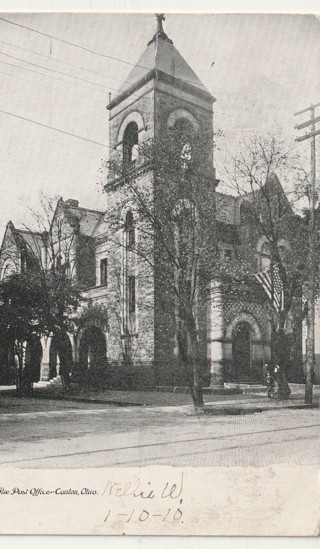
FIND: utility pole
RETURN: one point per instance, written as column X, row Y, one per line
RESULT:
column 310, row 124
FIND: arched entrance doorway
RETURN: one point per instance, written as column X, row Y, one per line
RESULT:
column 92, row 353
column 60, row 351
column 33, row 359
column 241, row 351
column 8, row 371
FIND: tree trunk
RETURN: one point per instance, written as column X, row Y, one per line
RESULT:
column 19, row 379
column 281, row 355
column 195, row 363
column 191, row 368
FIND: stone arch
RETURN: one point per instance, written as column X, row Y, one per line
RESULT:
column 129, row 206
column 134, row 116
column 248, row 350
column 60, row 350
column 92, row 352
column 7, row 363
column 261, row 242
column 251, row 320
column 33, row 358
column 178, row 114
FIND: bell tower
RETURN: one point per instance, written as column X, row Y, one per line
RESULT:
column 161, row 91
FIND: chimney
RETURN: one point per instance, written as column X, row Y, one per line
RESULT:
column 72, row 203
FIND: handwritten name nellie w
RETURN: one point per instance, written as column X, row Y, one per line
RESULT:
column 137, row 489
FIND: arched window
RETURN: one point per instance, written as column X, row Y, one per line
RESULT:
column 129, row 230
column 184, row 132
column 265, row 256
column 130, row 145
column 130, row 276
column 8, row 269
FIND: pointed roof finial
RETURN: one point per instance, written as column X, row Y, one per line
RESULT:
column 160, row 32
column 160, row 17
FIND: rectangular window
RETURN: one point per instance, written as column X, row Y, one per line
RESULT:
column 132, row 294
column 103, row 272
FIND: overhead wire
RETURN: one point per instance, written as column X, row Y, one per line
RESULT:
column 55, row 71
column 63, row 74
column 86, row 49
column 56, row 60
column 55, row 129
column 44, row 84
column 46, row 75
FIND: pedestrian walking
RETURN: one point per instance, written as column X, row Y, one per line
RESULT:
column 283, row 385
column 265, row 372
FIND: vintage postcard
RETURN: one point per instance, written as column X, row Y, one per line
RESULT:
column 159, row 274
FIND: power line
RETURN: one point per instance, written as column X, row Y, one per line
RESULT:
column 44, row 84
column 57, row 72
column 55, row 129
column 45, row 75
column 84, row 48
column 64, row 62
column 62, row 73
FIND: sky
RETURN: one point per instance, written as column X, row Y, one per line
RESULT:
column 266, row 67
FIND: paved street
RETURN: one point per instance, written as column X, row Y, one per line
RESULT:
column 60, row 434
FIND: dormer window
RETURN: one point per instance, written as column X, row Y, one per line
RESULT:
column 130, row 145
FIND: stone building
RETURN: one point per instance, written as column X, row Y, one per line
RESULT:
column 234, row 333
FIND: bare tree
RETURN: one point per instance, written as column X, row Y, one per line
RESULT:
column 273, row 214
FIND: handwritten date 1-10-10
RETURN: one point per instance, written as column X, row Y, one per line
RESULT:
column 136, row 489
column 170, row 515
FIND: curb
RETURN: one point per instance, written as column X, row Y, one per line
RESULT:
column 214, row 409
column 234, row 411
column 88, row 400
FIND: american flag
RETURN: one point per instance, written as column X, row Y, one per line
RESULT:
column 270, row 281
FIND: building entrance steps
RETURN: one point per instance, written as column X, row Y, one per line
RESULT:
column 55, row 381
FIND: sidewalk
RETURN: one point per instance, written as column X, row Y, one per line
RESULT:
column 248, row 403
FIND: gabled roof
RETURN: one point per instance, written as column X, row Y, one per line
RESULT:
column 23, row 239
column 86, row 219
column 33, row 240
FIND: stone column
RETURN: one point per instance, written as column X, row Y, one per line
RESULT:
column 75, row 349
column 45, row 367
column 215, row 333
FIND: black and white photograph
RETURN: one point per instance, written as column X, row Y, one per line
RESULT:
column 159, row 273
